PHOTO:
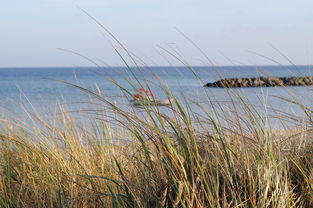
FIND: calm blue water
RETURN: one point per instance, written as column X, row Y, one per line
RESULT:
column 40, row 87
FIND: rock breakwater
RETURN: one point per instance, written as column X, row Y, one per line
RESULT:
column 262, row 82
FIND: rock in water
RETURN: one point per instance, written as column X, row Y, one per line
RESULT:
column 262, row 82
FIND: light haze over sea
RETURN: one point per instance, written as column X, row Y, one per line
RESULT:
column 32, row 30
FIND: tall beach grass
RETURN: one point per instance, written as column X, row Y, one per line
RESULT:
column 120, row 158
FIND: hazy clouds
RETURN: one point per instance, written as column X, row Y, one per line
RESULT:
column 31, row 31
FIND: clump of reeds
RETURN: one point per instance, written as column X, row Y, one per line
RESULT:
column 233, row 159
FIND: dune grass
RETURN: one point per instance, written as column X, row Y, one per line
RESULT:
column 233, row 159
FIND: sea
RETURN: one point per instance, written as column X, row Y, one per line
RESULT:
column 27, row 90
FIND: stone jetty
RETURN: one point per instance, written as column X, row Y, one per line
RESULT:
column 262, row 82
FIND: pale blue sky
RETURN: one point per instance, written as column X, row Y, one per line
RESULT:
column 30, row 31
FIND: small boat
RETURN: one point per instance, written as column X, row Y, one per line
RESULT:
column 161, row 102
column 144, row 97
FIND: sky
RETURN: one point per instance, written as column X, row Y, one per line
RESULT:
column 229, row 32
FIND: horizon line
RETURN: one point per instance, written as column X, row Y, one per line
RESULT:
column 247, row 65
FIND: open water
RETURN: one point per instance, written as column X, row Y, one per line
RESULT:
column 40, row 86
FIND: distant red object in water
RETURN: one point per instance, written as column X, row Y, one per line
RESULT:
column 143, row 94
column 145, row 97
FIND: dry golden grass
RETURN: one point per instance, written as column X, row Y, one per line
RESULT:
column 156, row 161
